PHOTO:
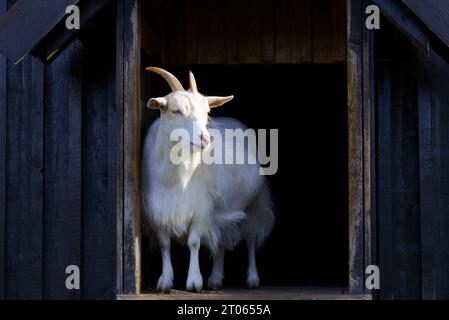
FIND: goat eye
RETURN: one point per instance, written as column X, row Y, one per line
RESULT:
column 177, row 112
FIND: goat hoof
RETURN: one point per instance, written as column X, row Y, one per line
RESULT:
column 253, row 281
column 164, row 284
column 215, row 283
column 194, row 282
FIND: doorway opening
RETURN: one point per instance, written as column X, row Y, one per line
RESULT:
column 308, row 104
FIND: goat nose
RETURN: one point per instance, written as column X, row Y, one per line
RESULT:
column 205, row 139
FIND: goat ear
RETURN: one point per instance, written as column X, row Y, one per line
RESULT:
column 218, row 101
column 157, row 103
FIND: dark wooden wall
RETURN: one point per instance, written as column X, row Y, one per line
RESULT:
column 235, row 31
column 58, row 170
column 413, row 170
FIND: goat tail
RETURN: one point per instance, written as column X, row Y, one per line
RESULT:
column 226, row 229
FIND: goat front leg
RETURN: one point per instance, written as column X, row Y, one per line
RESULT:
column 194, row 278
column 215, row 280
column 165, row 282
column 252, row 279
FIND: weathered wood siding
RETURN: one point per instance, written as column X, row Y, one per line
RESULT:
column 355, row 146
column 413, row 162
column 234, row 31
column 129, row 44
column 433, row 104
column 2, row 167
column 58, row 170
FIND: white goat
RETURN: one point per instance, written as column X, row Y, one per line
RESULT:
column 216, row 205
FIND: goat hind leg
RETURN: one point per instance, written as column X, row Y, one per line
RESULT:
column 215, row 280
column 252, row 279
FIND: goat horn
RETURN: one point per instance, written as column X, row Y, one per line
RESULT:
column 192, row 82
column 174, row 83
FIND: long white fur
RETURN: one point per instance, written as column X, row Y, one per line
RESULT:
column 216, row 205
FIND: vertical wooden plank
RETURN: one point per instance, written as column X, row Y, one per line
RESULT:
column 98, row 250
column 153, row 33
column 292, row 17
column 369, row 147
column 132, row 141
column 384, row 182
column 338, row 13
column 192, row 28
column 282, row 32
column 250, row 49
column 113, row 162
column 322, row 31
column 24, row 254
column 436, row 190
column 99, row 176
column 217, row 24
column 62, row 196
column 355, row 133
column 233, row 23
column 438, row 271
column 203, row 31
column 440, row 122
column 268, row 27
column 119, row 87
column 405, row 185
column 427, row 196
column 179, row 36
column 173, row 33
column 408, row 179
column 166, row 11
column 444, row 267
column 3, row 116
column 34, row 137
column 305, row 31
column 148, row 41
column 210, row 30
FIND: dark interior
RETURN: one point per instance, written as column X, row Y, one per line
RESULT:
column 307, row 103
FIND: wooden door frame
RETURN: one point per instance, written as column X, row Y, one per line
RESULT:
column 128, row 104
column 361, row 145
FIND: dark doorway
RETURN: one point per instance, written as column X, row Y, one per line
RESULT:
column 307, row 103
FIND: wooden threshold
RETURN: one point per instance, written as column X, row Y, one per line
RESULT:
column 265, row 293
